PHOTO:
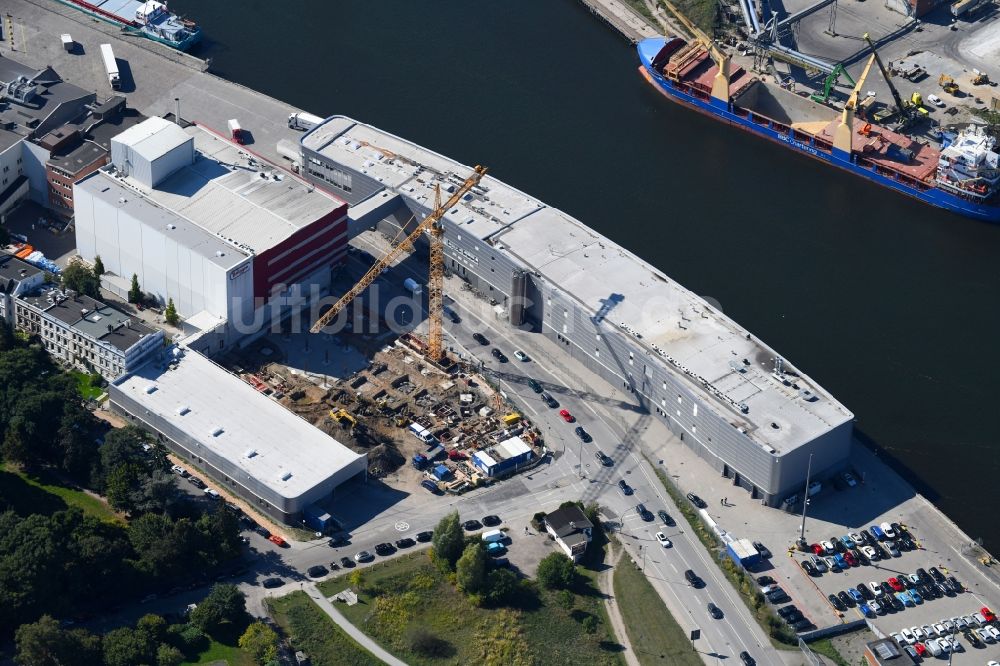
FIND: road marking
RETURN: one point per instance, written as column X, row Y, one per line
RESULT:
column 402, row 526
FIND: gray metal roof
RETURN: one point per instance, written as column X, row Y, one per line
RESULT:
column 289, row 455
column 92, row 318
column 53, row 93
column 111, row 191
column 12, row 268
column 237, row 196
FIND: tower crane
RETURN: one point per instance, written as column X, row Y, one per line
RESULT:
column 904, row 110
column 720, row 84
column 843, row 136
column 431, row 224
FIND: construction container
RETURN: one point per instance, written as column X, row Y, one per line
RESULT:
column 742, row 552
column 67, row 42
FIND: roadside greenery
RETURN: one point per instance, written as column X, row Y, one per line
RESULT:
column 311, row 630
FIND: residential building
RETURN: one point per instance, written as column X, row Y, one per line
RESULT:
column 85, row 333
column 571, row 529
column 16, row 278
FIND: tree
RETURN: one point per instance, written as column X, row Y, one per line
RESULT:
column 134, row 291
column 448, row 540
column 556, row 571
column 260, row 642
column 170, row 314
column 98, row 267
column 121, row 483
column 470, row 570
column 153, row 626
column 168, row 655
column 81, row 279
column 225, row 603
column 502, row 586
column 127, row 647
column 43, row 643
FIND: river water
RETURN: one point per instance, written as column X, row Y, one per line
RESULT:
column 889, row 304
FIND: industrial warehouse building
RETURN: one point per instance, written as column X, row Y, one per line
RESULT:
column 722, row 391
column 204, row 223
column 276, row 460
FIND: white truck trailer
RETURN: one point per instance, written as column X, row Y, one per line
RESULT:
column 303, row 121
column 111, row 66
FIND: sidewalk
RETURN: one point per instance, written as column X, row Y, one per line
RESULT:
column 352, row 631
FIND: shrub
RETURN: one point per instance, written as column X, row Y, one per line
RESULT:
column 556, row 571
column 426, row 644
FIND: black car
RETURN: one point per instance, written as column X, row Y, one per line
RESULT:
column 714, row 611
column 846, row 598
column 762, row 549
column 793, row 617
column 935, row 574
column 697, row 501
column 263, row 531
column 665, row 517
column 802, row 625
column 338, row 541
column 384, row 549
column 785, row 611
column 955, row 585
column 907, row 583
column 480, row 338
column 603, row 459
column 549, row 400
column 582, row 434
column 424, row 537
column 499, row 355
column 643, row 512
column 491, row 520
column 624, row 487
column 534, row 386
column 271, row 583
column 838, row 545
column 747, row 659
column 472, row 525
column 868, row 538
column 346, row 562
column 693, row 578
column 836, row 602
column 861, row 557
column 765, row 580
column 865, row 591
column 886, row 588
column 405, row 542
column 317, row 571
column 936, row 590
column 898, row 529
column 196, row 482
column 897, row 605
column 809, row 568
column 922, row 573
column 777, row 596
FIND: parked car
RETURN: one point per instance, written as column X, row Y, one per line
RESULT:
column 887, row 530
column 424, row 537
column 624, row 487
column 762, row 549
column 317, row 571
column 935, row 574
column 856, row 538
column 857, row 596
column 346, row 562
column 364, row 556
column 662, row 539
column 277, row 541
column 845, row 598
column 384, row 549
column 405, row 542
column 472, row 525
column 876, row 532
column 836, row 602
column 271, row 583
column 850, row 559
column 988, row 614
column 865, row 591
column 180, row 471
column 430, row 486
column 895, row 584
column 491, row 520
column 809, row 568
column 820, row 564
column 697, row 501
column 765, row 580
column 196, row 482
column 828, row 548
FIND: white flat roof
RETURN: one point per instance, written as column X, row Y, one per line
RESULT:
column 238, row 196
column 290, row 455
column 153, row 137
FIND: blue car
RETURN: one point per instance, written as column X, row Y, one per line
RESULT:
column 917, row 599
column 841, row 562
column 847, row 541
column 866, row 610
column 877, row 532
column 856, row 595
column 905, row 598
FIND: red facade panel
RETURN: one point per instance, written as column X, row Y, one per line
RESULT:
column 269, row 267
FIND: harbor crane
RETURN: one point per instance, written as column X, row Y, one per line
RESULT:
column 720, row 85
column 904, row 109
column 432, row 225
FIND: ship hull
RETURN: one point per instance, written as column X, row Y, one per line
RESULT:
column 132, row 27
column 713, row 109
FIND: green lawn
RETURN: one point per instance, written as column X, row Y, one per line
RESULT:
column 409, row 595
column 655, row 636
column 311, row 630
column 87, row 385
column 42, row 493
column 220, row 652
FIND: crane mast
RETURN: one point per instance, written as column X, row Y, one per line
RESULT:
column 431, row 224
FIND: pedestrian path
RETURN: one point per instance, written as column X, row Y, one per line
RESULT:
column 614, row 613
column 360, row 637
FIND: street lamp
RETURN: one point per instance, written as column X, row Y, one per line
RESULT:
column 805, row 505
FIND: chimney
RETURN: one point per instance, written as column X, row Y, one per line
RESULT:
column 177, row 110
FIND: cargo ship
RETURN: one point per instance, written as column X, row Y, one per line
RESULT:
column 958, row 171
column 150, row 19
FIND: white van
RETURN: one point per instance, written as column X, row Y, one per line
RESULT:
column 493, row 536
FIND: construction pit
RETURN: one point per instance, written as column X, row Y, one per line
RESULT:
column 418, row 421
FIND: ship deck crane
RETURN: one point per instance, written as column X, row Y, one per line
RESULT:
column 843, row 135
column 720, row 85
column 432, row 224
column 901, row 108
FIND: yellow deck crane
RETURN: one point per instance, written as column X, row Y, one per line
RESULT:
column 720, row 85
column 843, row 136
column 432, row 224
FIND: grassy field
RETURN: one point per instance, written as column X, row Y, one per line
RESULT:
column 220, row 652
column 85, row 384
column 408, row 596
column 312, row 631
column 655, row 636
column 29, row 494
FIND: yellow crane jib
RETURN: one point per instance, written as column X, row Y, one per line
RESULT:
column 720, row 84
column 428, row 223
column 843, row 136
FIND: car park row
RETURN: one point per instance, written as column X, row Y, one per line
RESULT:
column 941, row 638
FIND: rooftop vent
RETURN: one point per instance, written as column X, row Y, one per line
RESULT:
column 150, row 389
column 183, row 409
column 285, row 476
column 171, row 226
column 250, row 453
column 216, row 432
column 220, row 253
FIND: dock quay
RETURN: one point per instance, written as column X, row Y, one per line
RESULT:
column 622, row 19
